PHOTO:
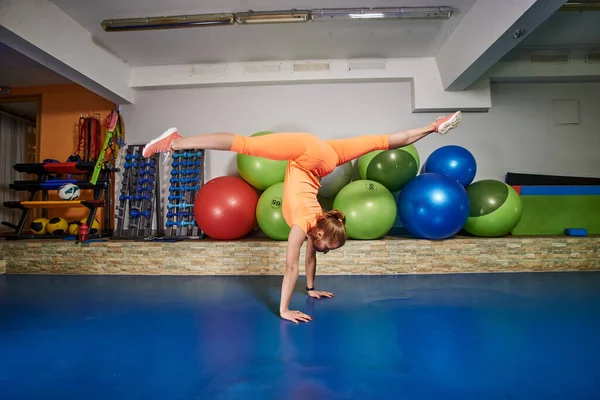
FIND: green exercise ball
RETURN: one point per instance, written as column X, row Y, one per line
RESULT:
column 392, row 168
column 369, row 207
column 269, row 213
column 261, row 172
column 496, row 208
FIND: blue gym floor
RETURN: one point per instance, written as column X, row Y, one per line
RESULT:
column 489, row 336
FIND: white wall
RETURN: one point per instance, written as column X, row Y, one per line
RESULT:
column 517, row 135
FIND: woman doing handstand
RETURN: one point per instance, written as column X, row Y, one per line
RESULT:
column 309, row 159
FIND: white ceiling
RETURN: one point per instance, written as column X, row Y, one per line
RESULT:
column 312, row 40
column 563, row 31
column 19, row 70
column 567, row 28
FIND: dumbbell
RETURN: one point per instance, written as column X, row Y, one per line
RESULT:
column 185, row 163
column 179, row 214
column 180, row 223
column 180, row 205
column 185, row 172
column 136, row 213
column 141, row 181
column 147, row 172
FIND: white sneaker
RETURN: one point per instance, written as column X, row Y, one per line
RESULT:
column 444, row 124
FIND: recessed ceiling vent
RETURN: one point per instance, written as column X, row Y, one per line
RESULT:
column 592, row 57
column 554, row 58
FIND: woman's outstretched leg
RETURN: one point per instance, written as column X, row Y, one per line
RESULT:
column 209, row 141
column 351, row 148
column 441, row 126
column 275, row 146
column 171, row 140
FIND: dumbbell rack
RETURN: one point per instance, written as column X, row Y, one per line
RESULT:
column 187, row 177
column 139, row 198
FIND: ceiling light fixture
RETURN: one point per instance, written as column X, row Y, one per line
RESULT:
column 272, row 17
column 586, row 5
column 169, row 22
column 275, row 17
column 349, row 14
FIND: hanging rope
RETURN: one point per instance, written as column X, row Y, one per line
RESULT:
column 88, row 148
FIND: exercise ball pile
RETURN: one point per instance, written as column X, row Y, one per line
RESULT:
column 435, row 204
column 443, row 200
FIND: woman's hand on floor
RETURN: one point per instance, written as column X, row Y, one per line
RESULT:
column 295, row 316
column 318, row 294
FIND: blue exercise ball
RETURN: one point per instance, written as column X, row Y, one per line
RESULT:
column 453, row 161
column 433, row 206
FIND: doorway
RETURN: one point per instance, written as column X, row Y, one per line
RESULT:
column 19, row 143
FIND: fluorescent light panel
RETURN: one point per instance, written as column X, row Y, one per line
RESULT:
column 350, row 14
column 275, row 17
column 272, row 17
column 587, row 5
column 169, row 22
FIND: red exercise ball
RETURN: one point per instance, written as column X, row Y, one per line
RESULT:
column 225, row 208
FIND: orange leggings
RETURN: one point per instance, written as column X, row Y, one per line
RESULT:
column 308, row 151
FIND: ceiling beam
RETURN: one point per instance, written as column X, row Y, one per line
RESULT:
column 43, row 32
column 489, row 30
column 428, row 94
column 576, row 70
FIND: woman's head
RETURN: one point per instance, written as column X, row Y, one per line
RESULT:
column 330, row 231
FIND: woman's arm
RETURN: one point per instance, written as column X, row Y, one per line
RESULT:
column 311, row 272
column 295, row 240
column 311, row 264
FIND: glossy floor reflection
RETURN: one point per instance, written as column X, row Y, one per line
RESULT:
column 490, row 336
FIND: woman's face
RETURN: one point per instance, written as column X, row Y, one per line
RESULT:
column 323, row 245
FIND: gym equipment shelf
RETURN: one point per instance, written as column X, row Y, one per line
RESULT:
column 49, row 168
column 50, row 177
column 54, row 204
column 53, row 184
